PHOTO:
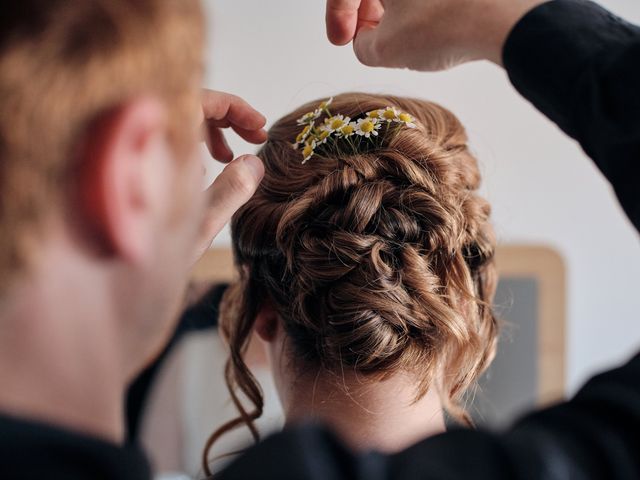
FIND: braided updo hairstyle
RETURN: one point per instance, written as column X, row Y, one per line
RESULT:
column 376, row 261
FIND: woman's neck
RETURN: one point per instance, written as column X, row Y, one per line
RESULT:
column 368, row 414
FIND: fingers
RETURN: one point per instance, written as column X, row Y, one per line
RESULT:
column 370, row 14
column 230, row 190
column 342, row 20
column 367, row 47
column 220, row 149
column 218, row 146
column 251, row 136
column 346, row 17
column 224, row 109
column 382, row 44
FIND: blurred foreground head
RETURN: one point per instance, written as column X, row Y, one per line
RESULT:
column 98, row 133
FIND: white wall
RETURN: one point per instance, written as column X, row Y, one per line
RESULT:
column 543, row 189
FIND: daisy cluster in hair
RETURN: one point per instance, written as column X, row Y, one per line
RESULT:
column 315, row 133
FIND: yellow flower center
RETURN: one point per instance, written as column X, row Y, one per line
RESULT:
column 374, row 114
column 405, row 117
column 347, row 130
column 308, row 150
column 367, row 126
column 323, row 134
column 389, row 114
column 337, row 123
column 303, row 134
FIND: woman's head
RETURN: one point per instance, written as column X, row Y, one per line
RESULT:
column 376, row 259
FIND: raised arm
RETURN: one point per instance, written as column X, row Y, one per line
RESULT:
column 575, row 61
column 580, row 66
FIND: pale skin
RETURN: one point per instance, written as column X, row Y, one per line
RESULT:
column 104, row 292
column 424, row 35
column 368, row 413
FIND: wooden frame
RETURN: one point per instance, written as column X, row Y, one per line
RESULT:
column 215, row 266
column 547, row 267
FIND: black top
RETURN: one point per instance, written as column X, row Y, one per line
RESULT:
column 580, row 65
column 31, row 450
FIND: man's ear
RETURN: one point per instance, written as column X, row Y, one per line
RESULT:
column 267, row 322
column 117, row 178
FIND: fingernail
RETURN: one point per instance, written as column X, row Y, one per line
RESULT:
column 254, row 164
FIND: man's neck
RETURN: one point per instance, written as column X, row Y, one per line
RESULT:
column 379, row 415
column 57, row 352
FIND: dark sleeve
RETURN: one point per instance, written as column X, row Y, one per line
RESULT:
column 596, row 435
column 580, row 66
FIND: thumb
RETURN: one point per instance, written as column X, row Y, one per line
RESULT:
column 231, row 189
column 368, row 47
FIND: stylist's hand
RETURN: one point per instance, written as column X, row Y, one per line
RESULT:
column 424, row 34
column 241, row 177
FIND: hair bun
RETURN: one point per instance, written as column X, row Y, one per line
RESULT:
column 376, row 261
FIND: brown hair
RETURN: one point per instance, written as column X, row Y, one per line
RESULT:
column 63, row 64
column 376, row 260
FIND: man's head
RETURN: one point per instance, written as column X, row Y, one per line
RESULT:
column 99, row 123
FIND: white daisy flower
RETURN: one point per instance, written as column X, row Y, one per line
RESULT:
column 322, row 136
column 336, row 122
column 389, row 114
column 375, row 114
column 303, row 135
column 347, row 130
column 309, row 118
column 308, row 151
column 407, row 119
column 368, row 126
column 323, row 107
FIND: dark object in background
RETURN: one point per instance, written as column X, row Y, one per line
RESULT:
column 202, row 314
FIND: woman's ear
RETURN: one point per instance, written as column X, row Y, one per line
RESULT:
column 267, row 322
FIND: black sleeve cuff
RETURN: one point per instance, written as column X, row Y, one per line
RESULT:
column 552, row 46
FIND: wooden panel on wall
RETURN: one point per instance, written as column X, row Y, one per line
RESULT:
column 547, row 267
column 215, row 266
